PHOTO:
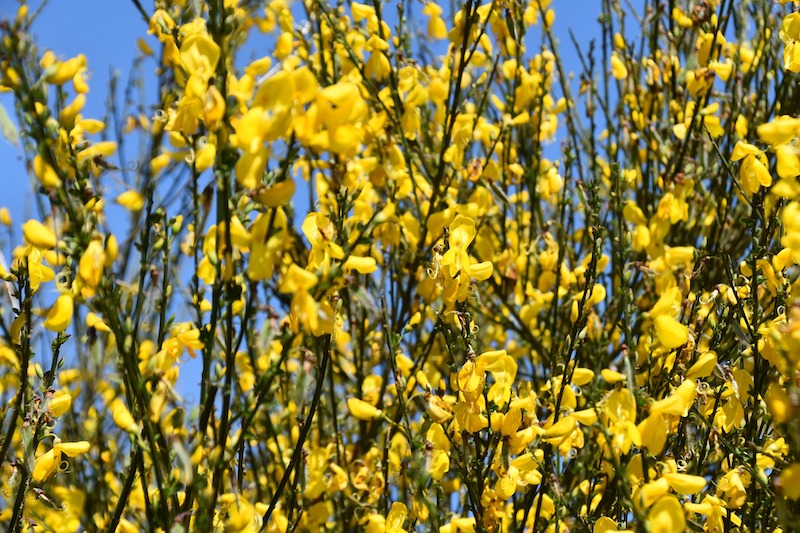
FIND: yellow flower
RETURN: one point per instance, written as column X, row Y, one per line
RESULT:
column 304, row 310
column 754, row 169
column 671, row 333
column 790, row 35
column 241, row 516
column 437, row 29
column 715, row 512
column 470, row 380
column 440, row 457
column 462, row 233
column 620, row 407
column 199, row 54
column 457, row 267
column 60, row 73
column 618, row 68
column 320, row 232
column 37, row 272
column 48, row 462
column 396, row 517
column 439, row 410
column 340, row 104
column 90, row 268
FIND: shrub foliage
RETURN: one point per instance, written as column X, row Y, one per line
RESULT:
column 410, row 270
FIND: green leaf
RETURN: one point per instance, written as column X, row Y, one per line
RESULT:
column 8, row 128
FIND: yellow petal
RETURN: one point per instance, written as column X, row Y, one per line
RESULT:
column 241, row 516
column 199, row 53
column 491, row 361
column 605, row 525
column 45, row 465
column 362, row 410
column 344, row 139
column 306, row 85
column 103, row 149
column 363, row 265
column 61, row 73
column 72, row 449
column 779, row 403
column 563, row 427
column 481, row 271
column 668, row 303
column 396, row 516
column 685, row 483
column 779, row 131
column 586, row 417
column 790, row 481
column 93, row 260
column 506, row 486
column 39, row 235
column 277, row 91
column 667, row 516
column 278, row 194
column 60, row 315
column 122, row 417
column 612, row 376
column 60, row 404
column 297, row 279
column 94, row 321
column 340, row 104
column 582, row 376
column 653, row 431
column 678, row 402
column 45, row 173
column 618, row 68
column 679, row 255
column 205, row 157
column 703, row 367
column 650, row 492
column 671, row 333
column 131, row 200
column 250, row 168
column 743, row 149
column 511, row 422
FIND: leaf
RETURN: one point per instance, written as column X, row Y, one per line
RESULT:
column 8, row 128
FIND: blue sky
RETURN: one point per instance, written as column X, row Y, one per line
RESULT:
column 106, row 32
